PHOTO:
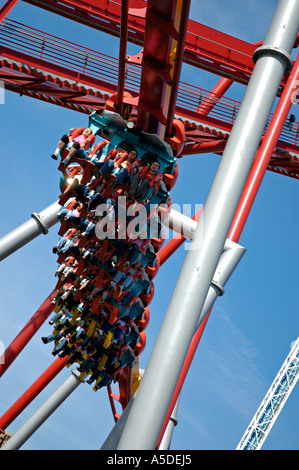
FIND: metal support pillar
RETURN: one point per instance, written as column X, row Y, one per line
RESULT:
column 167, row 436
column 264, row 154
column 178, row 327
column 191, row 352
column 253, row 182
column 122, row 55
column 43, row 413
column 229, row 259
column 39, row 223
column 173, row 244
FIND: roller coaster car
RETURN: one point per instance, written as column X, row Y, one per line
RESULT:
column 147, row 298
column 143, row 286
column 136, row 311
column 144, row 321
column 128, row 309
column 139, row 347
column 113, row 128
column 122, row 306
column 171, row 179
column 148, row 258
column 177, row 137
column 152, row 271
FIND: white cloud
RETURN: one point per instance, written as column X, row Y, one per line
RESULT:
column 231, row 364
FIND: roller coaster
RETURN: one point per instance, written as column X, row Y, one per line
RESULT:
column 116, row 180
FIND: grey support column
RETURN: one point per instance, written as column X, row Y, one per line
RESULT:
column 230, row 258
column 166, row 439
column 43, row 413
column 148, row 412
column 38, row 224
column 228, row 261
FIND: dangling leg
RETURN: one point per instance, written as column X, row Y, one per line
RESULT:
column 61, row 145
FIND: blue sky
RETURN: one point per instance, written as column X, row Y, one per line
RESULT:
column 249, row 332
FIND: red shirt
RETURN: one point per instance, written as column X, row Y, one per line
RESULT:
column 153, row 178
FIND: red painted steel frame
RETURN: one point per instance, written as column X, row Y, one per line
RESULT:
column 205, row 47
column 264, row 154
column 13, row 412
column 122, row 55
column 26, row 334
column 165, row 29
column 251, row 188
column 95, row 81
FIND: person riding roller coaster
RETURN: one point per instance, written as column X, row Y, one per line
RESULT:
column 146, row 182
column 103, row 286
column 79, row 138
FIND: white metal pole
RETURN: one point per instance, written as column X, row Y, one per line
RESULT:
column 38, row 224
column 148, row 412
column 166, row 439
column 43, row 413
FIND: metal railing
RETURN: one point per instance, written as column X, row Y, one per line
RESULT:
column 88, row 62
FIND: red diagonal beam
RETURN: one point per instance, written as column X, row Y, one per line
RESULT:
column 7, row 7
column 24, row 400
column 26, row 334
column 122, row 54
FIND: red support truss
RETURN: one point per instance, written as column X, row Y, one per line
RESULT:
column 205, row 47
column 48, row 68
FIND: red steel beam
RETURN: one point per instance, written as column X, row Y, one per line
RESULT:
column 85, row 97
column 205, row 47
column 7, row 7
column 213, row 146
column 56, row 69
column 24, row 400
column 161, row 63
column 122, row 55
column 26, row 334
column 219, row 89
column 177, row 64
